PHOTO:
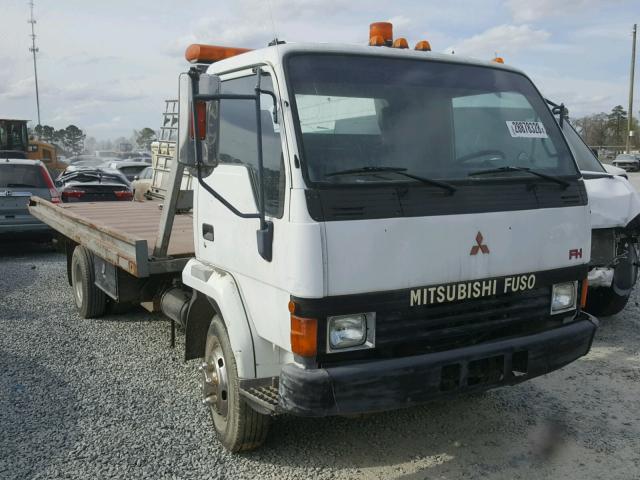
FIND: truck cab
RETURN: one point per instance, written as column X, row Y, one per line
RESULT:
column 374, row 227
column 348, row 229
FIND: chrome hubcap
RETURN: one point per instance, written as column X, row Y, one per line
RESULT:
column 215, row 389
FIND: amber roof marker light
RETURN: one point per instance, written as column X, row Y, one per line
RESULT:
column 423, row 46
column 199, row 53
column 400, row 43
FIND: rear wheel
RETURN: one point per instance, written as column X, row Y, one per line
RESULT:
column 239, row 427
column 90, row 300
column 603, row 302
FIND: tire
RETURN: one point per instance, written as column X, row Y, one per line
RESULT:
column 238, row 426
column 604, row 302
column 90, row 300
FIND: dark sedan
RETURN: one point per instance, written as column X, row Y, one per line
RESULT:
column 89, row 184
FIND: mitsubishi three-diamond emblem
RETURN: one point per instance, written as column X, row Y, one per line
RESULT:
column 480, row 247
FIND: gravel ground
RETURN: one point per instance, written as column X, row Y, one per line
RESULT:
column 107, row 398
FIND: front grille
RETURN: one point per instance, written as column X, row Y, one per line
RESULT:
column 407, row 331
column 451, row 325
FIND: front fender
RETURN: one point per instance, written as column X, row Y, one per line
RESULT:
column 224, row 297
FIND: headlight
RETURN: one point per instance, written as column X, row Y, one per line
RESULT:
column 351, row 332
column 563, row 297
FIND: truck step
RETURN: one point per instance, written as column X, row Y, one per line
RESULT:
column 263, row 398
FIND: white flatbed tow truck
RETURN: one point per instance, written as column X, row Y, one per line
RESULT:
column 372, row 227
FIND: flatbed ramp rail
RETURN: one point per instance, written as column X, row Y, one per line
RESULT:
column 122, row 233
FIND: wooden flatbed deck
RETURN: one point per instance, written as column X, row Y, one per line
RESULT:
column 123, row 233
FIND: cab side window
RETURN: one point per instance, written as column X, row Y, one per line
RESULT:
column 238, row 142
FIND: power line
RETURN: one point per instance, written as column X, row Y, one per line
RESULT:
column 33, row 49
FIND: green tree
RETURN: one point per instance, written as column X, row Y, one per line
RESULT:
column 58, row 137
column 144, row 138
column 47, row 134
column 617, row 125
column 74, row 139
column 593, row 128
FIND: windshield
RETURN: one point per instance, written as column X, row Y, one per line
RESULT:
column 13, row 135
column 430, row 119
column 21, row 176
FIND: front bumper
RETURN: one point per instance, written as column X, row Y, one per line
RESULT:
column 402, row 382
column 628, row 167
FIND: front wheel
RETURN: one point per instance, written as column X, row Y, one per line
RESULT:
column 603, row 302
column 239, row 427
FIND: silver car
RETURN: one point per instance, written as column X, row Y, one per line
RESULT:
column 628, row 162
column 19, row 180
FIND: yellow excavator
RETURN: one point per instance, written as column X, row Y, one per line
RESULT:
column 15, row 142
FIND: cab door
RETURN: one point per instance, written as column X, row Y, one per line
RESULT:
column 228, row 241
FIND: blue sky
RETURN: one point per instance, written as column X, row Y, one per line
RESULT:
column 108, row 66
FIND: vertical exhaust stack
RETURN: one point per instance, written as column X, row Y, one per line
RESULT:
column 381, row 34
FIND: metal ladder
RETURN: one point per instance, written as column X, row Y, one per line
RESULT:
column 164, row 151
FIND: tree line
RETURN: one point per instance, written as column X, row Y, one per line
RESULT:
column 608, row 128
column 73, row 141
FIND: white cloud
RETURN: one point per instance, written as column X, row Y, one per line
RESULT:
column 503, row 39
column 401, row 22
column 293, row 9
column 20, row 89
column 582, row 96
column 531, row 10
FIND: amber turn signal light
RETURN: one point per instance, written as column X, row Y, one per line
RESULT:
column 583, row 293
column 304, row 336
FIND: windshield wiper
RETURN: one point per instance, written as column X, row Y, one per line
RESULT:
column 509, row 168
column 398, row 170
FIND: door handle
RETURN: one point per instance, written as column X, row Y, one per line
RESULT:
column 207, row 232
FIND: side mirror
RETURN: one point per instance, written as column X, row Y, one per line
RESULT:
column 199, row 121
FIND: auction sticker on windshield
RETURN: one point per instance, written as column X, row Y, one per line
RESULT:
column 526, row 129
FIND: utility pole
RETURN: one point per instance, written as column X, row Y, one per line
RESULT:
column 633, row 66
column 33, row 49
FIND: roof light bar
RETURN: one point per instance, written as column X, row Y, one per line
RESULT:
column 199, row 53
column 381, row 29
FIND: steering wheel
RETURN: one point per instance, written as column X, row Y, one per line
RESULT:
column 481, row 153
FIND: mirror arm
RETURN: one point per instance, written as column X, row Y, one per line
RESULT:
column 198, row 151
column 220, row 198
column 259, row 150
column 264, row 235
column 559, row 110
